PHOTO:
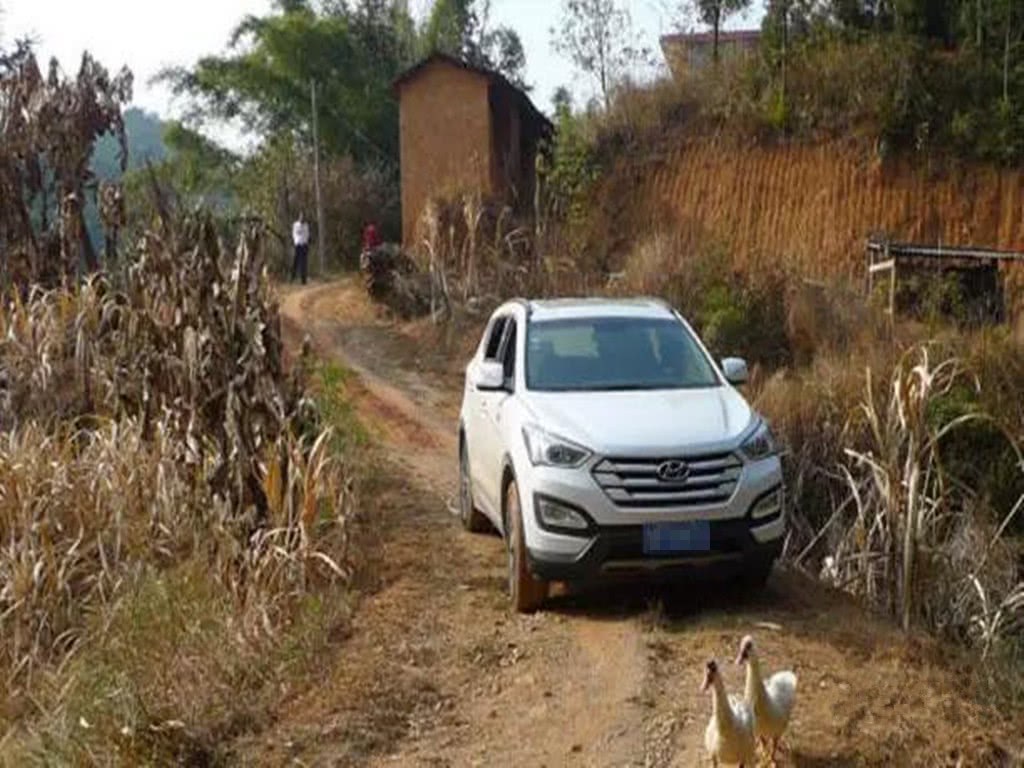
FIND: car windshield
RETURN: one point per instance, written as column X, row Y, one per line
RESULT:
column 607, row 354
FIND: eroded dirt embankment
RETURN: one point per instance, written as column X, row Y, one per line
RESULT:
column 437, row 672
column 811, row 206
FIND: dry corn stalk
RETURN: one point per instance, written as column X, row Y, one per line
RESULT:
column 48, row 128
column 144, row 425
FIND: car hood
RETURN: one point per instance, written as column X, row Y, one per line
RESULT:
column 648, row 423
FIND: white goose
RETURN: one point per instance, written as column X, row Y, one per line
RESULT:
column 729, row 737
column 771, row 702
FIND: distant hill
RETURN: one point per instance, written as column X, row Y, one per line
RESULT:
column 145, row 134
column 145, row 142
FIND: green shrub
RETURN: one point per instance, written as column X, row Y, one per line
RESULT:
column 743, row 318
column 979, row 455
column 573, row 169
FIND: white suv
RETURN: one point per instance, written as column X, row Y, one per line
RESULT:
column 599, row 437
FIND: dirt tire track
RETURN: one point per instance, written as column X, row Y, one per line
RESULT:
column 439, row 673
column 576, row 691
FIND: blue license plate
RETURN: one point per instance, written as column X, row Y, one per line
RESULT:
column 670, row 538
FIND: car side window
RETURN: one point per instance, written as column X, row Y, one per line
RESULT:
column 493, row 347
column 509, row 349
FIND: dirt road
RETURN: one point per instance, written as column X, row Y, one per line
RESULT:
column 438, row 672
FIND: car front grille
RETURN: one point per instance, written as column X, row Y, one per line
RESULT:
column 636, row 484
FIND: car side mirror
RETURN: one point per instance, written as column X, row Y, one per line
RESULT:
column 489, row 377
column 735, row 370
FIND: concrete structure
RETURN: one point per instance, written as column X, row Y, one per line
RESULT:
column 686, row 53
column 464, row 129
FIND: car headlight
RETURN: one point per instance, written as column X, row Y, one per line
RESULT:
column 761, row 444
column 545, row 449
column 557, row 516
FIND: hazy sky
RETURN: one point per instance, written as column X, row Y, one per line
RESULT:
column 147, row 35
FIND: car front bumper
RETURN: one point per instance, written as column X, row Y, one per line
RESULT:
column 614, row 544
column 618, row 550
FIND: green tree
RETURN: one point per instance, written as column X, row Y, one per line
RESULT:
column 450, row 28
column 461, row 28
column 561, row 100
column 201, row 169
column 714, row 13
column 574, row 169
column 193, row 172
column 931, row 19
column 352, row 52
column 598, row 37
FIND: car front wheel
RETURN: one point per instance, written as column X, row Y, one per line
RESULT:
column 472, row 519
column 527, row 592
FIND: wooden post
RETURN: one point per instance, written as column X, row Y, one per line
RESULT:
column 321, row 225
column 785, row 51
column 870, row 256
column 892, row 282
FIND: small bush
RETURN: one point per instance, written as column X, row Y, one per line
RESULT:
column 737, row 313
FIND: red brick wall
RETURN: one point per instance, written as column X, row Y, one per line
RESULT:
column 445, row 139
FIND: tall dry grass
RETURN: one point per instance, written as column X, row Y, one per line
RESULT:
column 480, row 252
column 151, row 436
column 911, row 535
column 895, row 464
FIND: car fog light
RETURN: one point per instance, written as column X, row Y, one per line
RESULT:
column 769, row 505
column 552, row 514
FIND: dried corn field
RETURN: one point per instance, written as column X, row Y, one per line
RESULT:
column 149, row 427
column 48, row 127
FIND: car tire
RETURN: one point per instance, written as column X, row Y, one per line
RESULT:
column 473, row 519
column 527, row 592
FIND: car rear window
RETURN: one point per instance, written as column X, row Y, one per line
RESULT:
column 605, row 354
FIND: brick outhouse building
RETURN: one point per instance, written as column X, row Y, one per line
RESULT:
column 464, row 129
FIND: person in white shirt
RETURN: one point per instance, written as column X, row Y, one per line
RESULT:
column 300, row 238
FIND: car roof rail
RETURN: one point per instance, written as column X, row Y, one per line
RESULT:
column 526, row 304
column 659, row 301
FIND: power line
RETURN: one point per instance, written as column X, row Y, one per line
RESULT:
column 321, row 224
column 384, row 154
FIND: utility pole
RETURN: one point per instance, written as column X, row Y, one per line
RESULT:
column 321, row 225
column 785, row 51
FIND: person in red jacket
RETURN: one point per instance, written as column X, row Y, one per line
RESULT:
column 371, row 238
column 371, row 241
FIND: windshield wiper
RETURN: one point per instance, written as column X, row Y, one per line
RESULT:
column 627, row 388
